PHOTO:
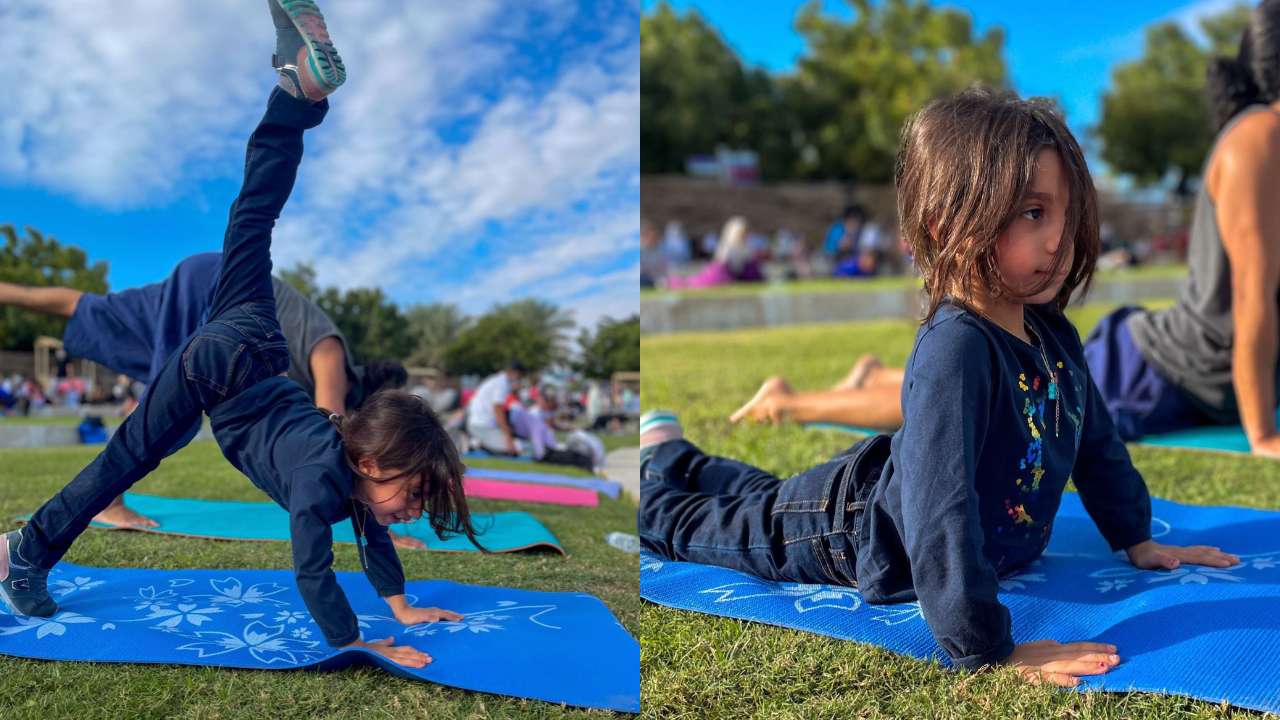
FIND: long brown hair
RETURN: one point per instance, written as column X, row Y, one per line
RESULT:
column 964, row 165
column 399, row 430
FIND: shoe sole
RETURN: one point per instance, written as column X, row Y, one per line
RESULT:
column 326, row 64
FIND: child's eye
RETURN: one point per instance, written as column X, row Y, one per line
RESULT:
column 1033, row 213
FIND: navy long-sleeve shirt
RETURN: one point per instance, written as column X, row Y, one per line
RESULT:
column 977, row 471
column 273, row 434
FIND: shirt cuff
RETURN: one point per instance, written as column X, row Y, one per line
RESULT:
column 995, row 656
column 389, row 590
column 1127, row 538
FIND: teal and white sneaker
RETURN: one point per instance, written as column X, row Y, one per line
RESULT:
column 22, row 588
column 309, row 65
column 659, row 426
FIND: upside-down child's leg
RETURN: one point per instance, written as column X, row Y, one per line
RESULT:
column 167, row 410
column 271, row 167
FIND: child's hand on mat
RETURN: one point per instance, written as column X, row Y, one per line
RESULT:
column 1062, row 663
column 1151, row 555
column 399, row 654
column 414, row 615
column 404, row 541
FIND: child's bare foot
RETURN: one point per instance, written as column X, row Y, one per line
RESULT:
column 309, row 65
column 858, row 374
column 120, row 515
column 765, row 406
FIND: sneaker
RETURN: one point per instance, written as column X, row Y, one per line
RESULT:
column 309, row 65
column 659, row 426
column 22, row 587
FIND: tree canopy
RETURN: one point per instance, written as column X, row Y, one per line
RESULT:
column 1155, row 117
column 37, row 260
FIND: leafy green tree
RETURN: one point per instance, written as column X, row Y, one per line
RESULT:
column 371, row 323
column 1155, row 117
column 614, row 347
column 545, row 320
column 495, row 340
column 38, row 260
column 303, row 279
column 691, row 86
column 861, row 79
column 433, row 328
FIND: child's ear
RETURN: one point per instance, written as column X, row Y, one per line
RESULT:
column 367, row 466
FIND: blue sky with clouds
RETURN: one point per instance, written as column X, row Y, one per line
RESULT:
column 1062, row 50
column 480, row 152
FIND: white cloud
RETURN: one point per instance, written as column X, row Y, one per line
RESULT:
column 473, row 130
column 115, row 102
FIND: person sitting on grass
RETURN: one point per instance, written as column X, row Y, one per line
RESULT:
column 734, row 262
column 389, row 461
column 488, row 428
column 997, row 202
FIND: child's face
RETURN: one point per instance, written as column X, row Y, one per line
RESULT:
column 399, row 499
column 1025, row 251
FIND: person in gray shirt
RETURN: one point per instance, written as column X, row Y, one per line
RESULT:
column 133, row 332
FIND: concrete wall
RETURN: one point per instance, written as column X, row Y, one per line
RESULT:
column 666, row 313
column 13, row 434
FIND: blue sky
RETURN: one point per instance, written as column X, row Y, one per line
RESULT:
column 480, row 152
column 1049, row 50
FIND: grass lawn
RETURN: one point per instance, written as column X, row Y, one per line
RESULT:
column 895, row 282
column 696, row 666
column 62, row 689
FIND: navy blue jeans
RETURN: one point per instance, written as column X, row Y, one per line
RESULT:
column 717, row 511
column 1140, row 400
column 240, row 345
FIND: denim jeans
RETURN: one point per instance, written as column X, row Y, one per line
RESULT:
column 718, row 511
column 240, row 345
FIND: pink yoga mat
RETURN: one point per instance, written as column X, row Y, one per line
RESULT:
column 525, row 492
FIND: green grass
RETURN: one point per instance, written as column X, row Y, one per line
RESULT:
column 875, row 284
column 44, row 690
column 699, row 666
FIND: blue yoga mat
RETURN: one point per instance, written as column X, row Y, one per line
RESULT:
column 555, row 646
column 1220, row 438
column 236, row 520
column 480, row 454
column 1207, row 633
column 610, row 488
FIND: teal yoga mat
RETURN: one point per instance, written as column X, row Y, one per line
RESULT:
column 1217, row 438
column 237, row 520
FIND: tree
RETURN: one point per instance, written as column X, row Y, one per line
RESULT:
column 433, row 328
column 691, row 85
column 303, row 279
column 1155, row 117
column 544, row 320
column 860, row 80
column 372, row 325
column 492, row 342
column 614, row 347
column 41, row 261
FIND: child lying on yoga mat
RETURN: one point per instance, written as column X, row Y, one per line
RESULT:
column 999, row 207
column 387, row 462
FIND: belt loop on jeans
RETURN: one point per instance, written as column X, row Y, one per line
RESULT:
column 838, row 516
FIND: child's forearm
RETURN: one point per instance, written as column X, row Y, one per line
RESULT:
column 398, row 603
